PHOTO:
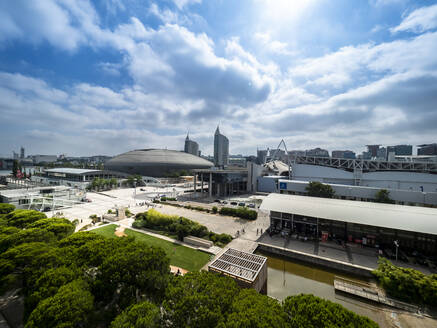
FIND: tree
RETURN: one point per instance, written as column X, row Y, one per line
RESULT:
column 132, row 269
column 71, row 306
column 6, row 208
column 61, row 227
column 383, row 196
column 141, row 315
column 317, row 189
column 113, row 182
column 310, row 311
column 48, row 285
column 251, row 309
column 15, row 168
column 23, row 218
column 199, row 299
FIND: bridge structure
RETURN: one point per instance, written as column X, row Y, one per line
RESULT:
column 359, row 166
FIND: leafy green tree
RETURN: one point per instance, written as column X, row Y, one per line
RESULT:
column 61, row 227
column 113, row 182
column 252, row 310
column 383, row 196
column 27, row 236
column 317, row 189
column 310, row 311
column 133, row 269
column 71, row 306
column 23, row 218
column 22, row 256
column 48, row 284
column 199, row 299
column 6, row 208
column 141, row 315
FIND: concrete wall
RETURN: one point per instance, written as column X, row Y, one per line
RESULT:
column 314, row 259
column 365, row 193
column 413, row 181
column 198, row 241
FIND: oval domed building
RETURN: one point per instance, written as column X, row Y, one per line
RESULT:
column 156, row 162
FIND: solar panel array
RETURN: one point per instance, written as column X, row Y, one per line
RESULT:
column 239, row 264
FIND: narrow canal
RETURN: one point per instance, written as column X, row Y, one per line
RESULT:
column 286, row 277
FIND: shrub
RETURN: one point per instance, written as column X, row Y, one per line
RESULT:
column 407, row 284
column 311, row 311
column 178, row 225
column 240, row 212
column 214, row 209
column 164, row 199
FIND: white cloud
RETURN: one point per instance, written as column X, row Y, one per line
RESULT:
column 182, row 3
column 165, row 15
column 419, row 20
column 38, row 21
column 270, row 45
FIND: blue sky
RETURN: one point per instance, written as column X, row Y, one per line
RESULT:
column 104, row 77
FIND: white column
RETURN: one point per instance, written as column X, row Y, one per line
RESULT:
column 201, row 187
column 210, row 185
column 195, row 184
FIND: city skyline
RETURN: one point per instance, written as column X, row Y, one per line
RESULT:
column 105, row 78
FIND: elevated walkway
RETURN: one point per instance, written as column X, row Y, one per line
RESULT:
column 371, row 293
column 358, row 165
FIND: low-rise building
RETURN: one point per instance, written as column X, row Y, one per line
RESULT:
column 79, row 178
column 42, row 198
column 364, row 223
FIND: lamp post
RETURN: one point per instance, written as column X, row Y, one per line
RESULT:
column 396, row 242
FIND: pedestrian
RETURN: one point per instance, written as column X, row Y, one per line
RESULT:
column 261, row 231
column 244, row 231
column 257, row 231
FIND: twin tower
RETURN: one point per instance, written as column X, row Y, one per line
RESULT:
column 221, row 148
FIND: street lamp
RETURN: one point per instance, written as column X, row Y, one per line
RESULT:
column 396, row 242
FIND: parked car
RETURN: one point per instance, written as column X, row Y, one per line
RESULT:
column 224, row 202
column 241, row 204
column 251, row 205
column 234, row 203
column 217, row 201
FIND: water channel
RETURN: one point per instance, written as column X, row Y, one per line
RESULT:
column 288, row 277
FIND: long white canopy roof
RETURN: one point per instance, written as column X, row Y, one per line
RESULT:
column 401, row 217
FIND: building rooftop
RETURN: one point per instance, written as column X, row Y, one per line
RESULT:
column 239, row 264
column 66, row 170
column 401, row 217
column 19, row 192
column 227, row 170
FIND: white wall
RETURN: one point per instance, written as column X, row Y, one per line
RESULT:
column 410, row 181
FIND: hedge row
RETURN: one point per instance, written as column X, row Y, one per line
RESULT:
column 178, row 225
column 163, row 199
column 407, row 284
column 241, row 212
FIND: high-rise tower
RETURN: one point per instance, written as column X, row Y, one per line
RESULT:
column 221, row 149
column 191, row 147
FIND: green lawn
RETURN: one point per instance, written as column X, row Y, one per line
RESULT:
column 181, row 256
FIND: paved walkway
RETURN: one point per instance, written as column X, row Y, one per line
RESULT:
column 353, row 254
